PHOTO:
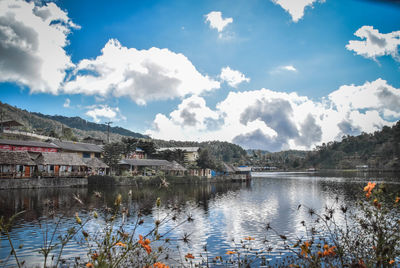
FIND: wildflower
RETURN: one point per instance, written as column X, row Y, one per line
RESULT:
column 320, row 254
column 78, row 220
column 397, row 200
column 249, row 238
column 218, row 258
column 145, row 244
column 329, row 251
column 95, row 256
column 158, row 202
column 370, row 186
column 89, row 265
column 95, row 215
column 377, row 204
column 391, row 261
column 189, row 256
column 305, row 249
column 120, row 244
column 229, row 252
column 160, row 265
column 118, row 200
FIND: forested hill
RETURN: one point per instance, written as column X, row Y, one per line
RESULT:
column 79, row 123
column 380, row 150
column 56, row 126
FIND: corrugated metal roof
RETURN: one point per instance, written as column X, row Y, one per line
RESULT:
column 15, row 158
column 78, row 146
column 29, row 143
column 145, row 162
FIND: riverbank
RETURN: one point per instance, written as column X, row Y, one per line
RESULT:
column 59, row 182
column 32, row 183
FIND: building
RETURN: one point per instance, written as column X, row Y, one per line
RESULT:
column 191, row 154
column 143, row 166
column 16, row 164
column 60, row 165
column 84, row 150
column 29, row 146
column 174, row 169
column 200, row 172
column 95, row 166
column 138, row 153
column 93, row 141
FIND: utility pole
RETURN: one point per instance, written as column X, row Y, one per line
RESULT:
column 108, row 131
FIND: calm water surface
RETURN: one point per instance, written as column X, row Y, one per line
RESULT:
column 223, row 214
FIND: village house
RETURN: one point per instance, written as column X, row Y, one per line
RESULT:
column 143, row 166
column 29, row 146
column 16, row 164
column 60, row 165
column 200, row 172
column 138, row 153
column 84, row 150
column 95, row 166
column 174, row 169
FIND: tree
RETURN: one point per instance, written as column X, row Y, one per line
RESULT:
column 112, row 154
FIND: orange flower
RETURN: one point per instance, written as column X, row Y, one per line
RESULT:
column 391, row 261
column 370, row 186
column 89, row 264
column 120, row 244
column 145, row 244
column 189, row 256
column 249, row 238
column 397, row 200
column 305, row 249
column 95, row 256
column 320, row 254
column 160, row 265
column 229, row 252
column 329, row 251
column 377, row 204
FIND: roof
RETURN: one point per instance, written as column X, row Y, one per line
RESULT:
column 230, row 168
column 94, row 163
column 28, row 143
column 65, row 159
column 244, row 169
column 186, row 149
column 174, row 166
column 10, row 123
column 145, row 162
column 15, row 158
column 78, row 146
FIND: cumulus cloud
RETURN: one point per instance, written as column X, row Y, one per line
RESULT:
column 271, row 120
column 67, row 103
column 142, row 75
column 216, row 21
column 32, row 41
column 232, row 77
column 99, row 112
column 375, row 44
column 295, row 7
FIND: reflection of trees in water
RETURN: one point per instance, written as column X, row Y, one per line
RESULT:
column 43, row 202
column 40, row 202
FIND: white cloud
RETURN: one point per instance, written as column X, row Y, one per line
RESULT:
column 32, row 41
column 67, row 103
column 104, row 111
column 232, row 77
column 376, row 44
column 275, row 121
column 142, row 75
column 289, row 68
column 216, row 21
column 295, row 7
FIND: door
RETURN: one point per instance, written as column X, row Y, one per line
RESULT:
column 27, row 171
column 56, row 170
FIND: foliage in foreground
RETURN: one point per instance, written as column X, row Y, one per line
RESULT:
column 334, row 237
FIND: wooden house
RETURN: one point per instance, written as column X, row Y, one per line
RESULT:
column 200, row 172
column 95, row 166
column 174, row 169
column 60, row 164
column 84, row 150
column 16, row 164
column 143, row 166
column 29, row 146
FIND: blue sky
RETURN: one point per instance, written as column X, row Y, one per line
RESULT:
column 268, row 74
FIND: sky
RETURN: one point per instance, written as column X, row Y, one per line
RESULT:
column 264, row 74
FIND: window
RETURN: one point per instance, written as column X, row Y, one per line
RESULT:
column 86, row 155
column 98, row 155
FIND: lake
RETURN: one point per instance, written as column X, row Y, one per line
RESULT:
column 223, row 213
